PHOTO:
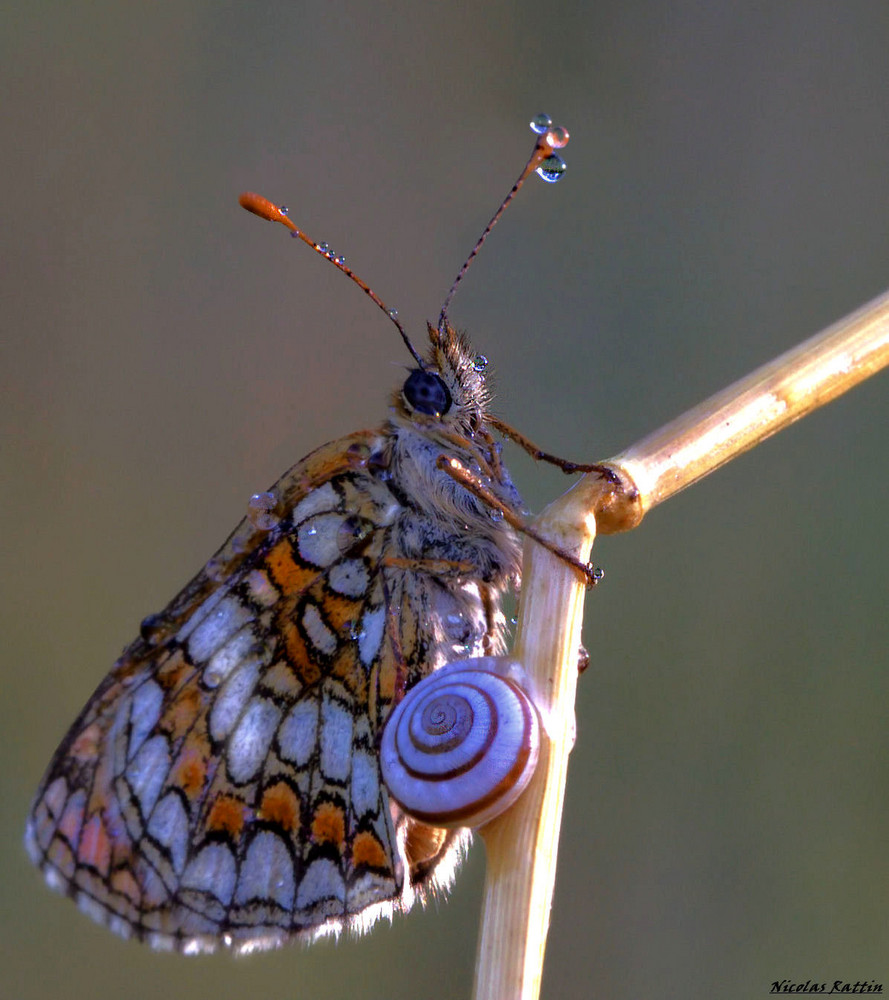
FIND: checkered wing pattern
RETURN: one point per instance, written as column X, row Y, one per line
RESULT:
column 222, row 785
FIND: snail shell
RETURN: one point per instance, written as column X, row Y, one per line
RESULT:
column 462, row 744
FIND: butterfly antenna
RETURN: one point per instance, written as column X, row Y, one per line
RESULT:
column 547, row 164
column 266, row 209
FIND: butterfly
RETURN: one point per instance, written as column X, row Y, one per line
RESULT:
column 222, row 785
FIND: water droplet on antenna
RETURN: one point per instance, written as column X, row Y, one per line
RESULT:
column 551, row 169
column 540, row 123
column 480, row 363
column 557, row 137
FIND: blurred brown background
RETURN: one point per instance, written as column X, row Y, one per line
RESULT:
column 164, row 355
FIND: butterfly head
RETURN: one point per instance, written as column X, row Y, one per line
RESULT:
column 450, row 389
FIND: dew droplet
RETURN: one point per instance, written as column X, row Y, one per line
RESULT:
column 557, row 137
column 496, row 515
column 340, row 259
column 261, row 511
column 513, row 620
column 216, row 570
column 322, row 247
column 456, row 627
column 393, row 313
column 351, row 531
column 552, row 168
column 480, row 363
column 151, row 629
column 212, row 677
column 284, row 210
column 358, row 454
column 540, row 123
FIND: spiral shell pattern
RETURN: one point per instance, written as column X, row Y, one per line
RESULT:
column 462, row 745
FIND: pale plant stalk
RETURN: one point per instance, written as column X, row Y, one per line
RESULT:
column 522, row 844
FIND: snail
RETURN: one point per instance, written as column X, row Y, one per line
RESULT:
column 462, row 744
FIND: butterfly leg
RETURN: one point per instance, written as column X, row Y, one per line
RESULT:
column 538, row 454
column 459, row 473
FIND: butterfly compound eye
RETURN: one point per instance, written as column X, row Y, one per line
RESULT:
column 425, row 392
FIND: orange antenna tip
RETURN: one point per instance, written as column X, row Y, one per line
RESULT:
column 265, row 209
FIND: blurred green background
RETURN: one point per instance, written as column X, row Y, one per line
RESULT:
column 165, row 355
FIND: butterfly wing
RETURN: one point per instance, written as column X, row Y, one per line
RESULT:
column 222, row 784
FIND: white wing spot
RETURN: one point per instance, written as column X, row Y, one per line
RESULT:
column 365, row 784
column 147, row 771
column 215, row 630
column 213, row 870
column 169, row 827
column 317, row 631
column 321, row 880
column 318, row 539
column 202, row 612
column 371, row 635
column 249, row 744
column 229, row 656
column 336, row 741
column 93, row 909
column 323, row 499
column 55, row 797
column 232, row 698
column 298, row 735
column 267, row 872
column 349, row 578
column 145, row 710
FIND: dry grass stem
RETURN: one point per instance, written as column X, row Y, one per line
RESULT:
column 522, row 843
